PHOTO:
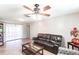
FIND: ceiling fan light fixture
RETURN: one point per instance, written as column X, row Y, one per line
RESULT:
column 36, row 17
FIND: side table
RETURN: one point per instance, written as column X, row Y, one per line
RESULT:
column 73, row 45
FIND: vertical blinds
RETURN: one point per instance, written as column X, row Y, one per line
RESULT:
column 13, row 31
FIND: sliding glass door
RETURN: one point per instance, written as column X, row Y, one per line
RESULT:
column 13, row 31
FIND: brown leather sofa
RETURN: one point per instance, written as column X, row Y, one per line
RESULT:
column 50, row 42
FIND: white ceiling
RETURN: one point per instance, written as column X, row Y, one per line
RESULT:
column 12, row 10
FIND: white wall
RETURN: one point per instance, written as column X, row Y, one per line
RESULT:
column 26, row 31
column 58, row 25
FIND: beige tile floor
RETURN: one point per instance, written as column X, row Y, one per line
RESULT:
column 15, row 48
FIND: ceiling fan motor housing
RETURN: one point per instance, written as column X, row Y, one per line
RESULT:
column 36, row 9
column 36, row 5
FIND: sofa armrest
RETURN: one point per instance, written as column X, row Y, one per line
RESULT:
column 55, row 49
column 35, row 38
column 56, row 45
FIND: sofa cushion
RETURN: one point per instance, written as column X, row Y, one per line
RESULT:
column 40, row 38
column 53, row 42
column 45, row 42
column 40, row 35
column 58, row 38
column 49, row 44
column 53, row 37
column 58, row 43
column 47, row 36
column 44, row 36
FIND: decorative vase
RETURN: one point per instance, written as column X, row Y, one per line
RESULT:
column 75, row 41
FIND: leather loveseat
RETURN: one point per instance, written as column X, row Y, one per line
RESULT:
column 50, row 42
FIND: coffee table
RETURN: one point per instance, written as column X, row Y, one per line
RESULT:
column 32, row 49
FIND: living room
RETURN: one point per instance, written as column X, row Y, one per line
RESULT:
column 37, row 22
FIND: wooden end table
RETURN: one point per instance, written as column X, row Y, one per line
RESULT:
column 32, row 50
column 73, row 45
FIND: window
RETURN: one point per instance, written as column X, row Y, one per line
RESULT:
column 13, row 31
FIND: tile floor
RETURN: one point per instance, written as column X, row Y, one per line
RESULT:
column 15, row 48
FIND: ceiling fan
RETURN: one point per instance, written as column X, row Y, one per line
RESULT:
column 36, row 10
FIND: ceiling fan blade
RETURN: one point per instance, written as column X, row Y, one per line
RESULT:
column 27, row 8
column 44, row 14
column 46, row 8
column 26, row 15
